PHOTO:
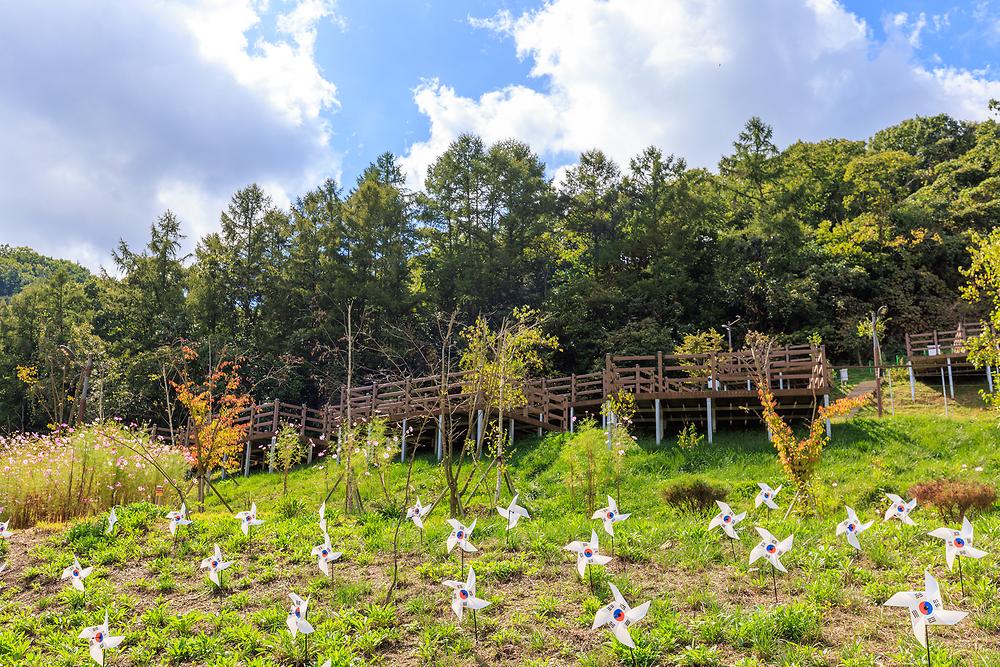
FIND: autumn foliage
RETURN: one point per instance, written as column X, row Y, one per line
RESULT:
column 213, row 405
column 799, row 457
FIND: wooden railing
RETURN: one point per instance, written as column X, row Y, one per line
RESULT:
column 801, row 369
column 941, row 343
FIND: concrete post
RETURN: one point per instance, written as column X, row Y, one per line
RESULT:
column 826, row 403
column 402, row 448
column 711, row 425
column 951, row 379
column 659, row 421
column 913, row 381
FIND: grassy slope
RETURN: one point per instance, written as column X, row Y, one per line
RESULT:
column 708, row 609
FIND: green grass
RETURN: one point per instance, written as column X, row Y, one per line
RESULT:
column 708, row 608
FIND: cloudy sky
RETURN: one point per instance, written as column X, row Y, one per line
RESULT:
column 112, row 112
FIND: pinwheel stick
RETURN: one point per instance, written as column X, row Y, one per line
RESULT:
column 590, row 570
column 961, row 577
column 774, row 579
column 462, row 552
column 475, row 625
column 307, row 648
column 250, row 538
column 927, row 643
column 732, row 543
column 632, row 653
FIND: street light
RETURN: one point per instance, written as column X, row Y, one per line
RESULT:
column 877, row 355
column 729, row 330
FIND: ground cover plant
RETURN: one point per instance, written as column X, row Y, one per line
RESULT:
column 708, row 607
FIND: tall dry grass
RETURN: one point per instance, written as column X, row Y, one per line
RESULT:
column 78, row 472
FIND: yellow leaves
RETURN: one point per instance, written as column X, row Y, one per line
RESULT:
column 28, row 375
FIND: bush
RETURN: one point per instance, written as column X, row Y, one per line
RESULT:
column 954, row 498
column 695, row 494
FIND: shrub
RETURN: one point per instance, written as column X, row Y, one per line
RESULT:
column 689, row 439
column 80, row 472
column 954, row 498
column 695, row 494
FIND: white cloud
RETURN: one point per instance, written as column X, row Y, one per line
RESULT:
column 112, row 112
column 686, row 74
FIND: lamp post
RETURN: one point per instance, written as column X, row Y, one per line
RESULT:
column 729, row 330
column 877, row 356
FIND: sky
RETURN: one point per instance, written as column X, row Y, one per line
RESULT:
column 112, row 112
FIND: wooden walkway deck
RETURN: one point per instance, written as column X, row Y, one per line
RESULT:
column 943, row 354
column 705, row 389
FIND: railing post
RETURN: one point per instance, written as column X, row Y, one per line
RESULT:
column 659, row 370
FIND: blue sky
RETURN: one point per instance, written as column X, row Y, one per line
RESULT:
column 113, row 112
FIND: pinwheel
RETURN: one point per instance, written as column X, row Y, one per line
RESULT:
column 215, row 566
column 900, row 509
column 76, row 574
column 247, row 521
column 958, row 543
column 460, row 537
column 112, row 520
column 587, row 553
column 100, row 639
column 925, row 610
column 417, row 514
column 464, row 597
column 5, row 532
column 852, row 527
column 322, row 517
column 297, row 622
column 513, row 514
column 325, row 555
column 178, row 518
column 3, row 567
column 619, row 616
column 728, row 520
column 772, row 550
column 610, row 516
column 766, row 496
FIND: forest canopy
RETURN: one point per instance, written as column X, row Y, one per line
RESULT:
column 624, row 258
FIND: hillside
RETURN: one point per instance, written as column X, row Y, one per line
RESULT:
column 709, row 607
column 20, row 266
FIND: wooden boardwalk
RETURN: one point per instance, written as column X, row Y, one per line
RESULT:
column 704, row 389
column 942, row 353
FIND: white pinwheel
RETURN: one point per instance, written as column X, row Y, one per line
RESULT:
column 771, row 549
column 100, row 639
column 619, row 616
column 727, row 519
column 587, row 553
column 958, row 542
column 513, row 512
column 215, row 565
column 3, row 567
column 325, row 555
column 460, row 536
column 296, row 620
column 900, row 509
column 112, row 520
column 464, row 595
column 248, row 519
column 852, row 527
column 178, row 518
column 322, row 517
column 925, row 608
column 766, row 496
column 610, row 516
column 76, row 574
column 417, row 513
column 5, row 532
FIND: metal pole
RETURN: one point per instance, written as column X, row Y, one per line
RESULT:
column 892, row 402
column 659, row 423
column 270, row 454
column 989, row 378
column 913, row 381
column 826, row 403
column 951, row 379
column 402, row 449
column 572, row 418
column 440, row 437
column 708, row 412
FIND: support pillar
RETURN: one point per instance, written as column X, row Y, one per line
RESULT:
column 511, row 435
column 541, row 418
column 246, row 459
column 572, row 418
column 826, row 404
column 659, row 421
column 951, row 379
column 402, row 444
column 913, row 381
column 439, row 447
column 711, row 424
column 270, row 453
column 944, row 393
column 989, row 378
column 309, row 454
column 479, row 429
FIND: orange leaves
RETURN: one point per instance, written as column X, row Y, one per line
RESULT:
column 800, row 457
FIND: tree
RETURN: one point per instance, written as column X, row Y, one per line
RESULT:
column 288, row 452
